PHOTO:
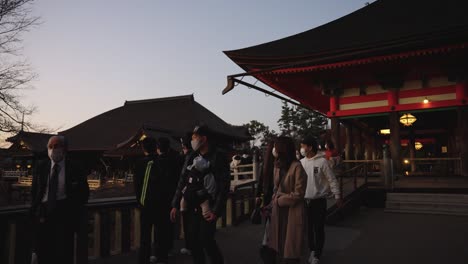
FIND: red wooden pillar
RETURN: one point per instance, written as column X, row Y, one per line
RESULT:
column 392, row 97
column 461, row 91
column 333, row 104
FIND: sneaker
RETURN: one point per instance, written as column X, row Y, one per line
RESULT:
column 315, row 261
column 312, row 257
column 185, row 251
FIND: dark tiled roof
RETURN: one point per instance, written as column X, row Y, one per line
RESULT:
column 383, row 27
column 176, row 114
column 35, row 142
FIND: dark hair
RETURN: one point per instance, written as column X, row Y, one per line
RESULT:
column 286, row 152
column 163, row 144
column 186, row 141
column 149, row 144
column 311, row 142
column 202, row 130
column 62, row 139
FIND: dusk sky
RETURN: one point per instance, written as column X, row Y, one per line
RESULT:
column 91, row 56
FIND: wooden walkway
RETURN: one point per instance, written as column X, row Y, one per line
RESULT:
column 369, row 236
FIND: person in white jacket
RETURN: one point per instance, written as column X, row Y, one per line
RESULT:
column 321, row 183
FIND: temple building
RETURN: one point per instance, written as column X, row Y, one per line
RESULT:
column 392, row 72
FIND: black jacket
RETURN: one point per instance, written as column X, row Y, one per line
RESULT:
column 76, row 184
column 219, row 166
column 162, row 182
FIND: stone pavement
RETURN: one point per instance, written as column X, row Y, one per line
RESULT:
column 368, row 236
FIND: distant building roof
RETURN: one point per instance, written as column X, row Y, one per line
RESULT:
column 176, row 114
column 380, row 28
column 29, row 141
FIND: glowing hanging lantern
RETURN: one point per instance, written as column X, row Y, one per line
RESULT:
column 407, row 119
column 418, row 145
column 385, row 131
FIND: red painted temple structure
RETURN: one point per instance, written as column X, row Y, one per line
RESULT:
column 368, row 69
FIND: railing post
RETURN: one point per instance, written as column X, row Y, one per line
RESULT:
column 11, row 243
column 117, row 248
column 355, row 179
column 126, row 230
column 82, row 237
column 229, row 211
column 365, row 173
column 105, row 233
column 97, row 234
column 136, row 228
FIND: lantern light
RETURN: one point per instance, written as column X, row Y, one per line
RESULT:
column 426, row 101
column 418, row 145
column 385, row 131
column 407, row 119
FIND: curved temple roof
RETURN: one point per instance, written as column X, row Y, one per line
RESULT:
column 383, row 27
column 178, row 114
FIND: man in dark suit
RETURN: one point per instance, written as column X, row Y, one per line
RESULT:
column 59, row 193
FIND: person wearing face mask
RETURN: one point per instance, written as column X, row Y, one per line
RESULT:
column 58, row 195
column 207, row 177
column 286, row 231
column 321, row 182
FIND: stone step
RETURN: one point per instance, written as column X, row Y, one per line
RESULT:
column 425, row 207
column 428, row 197
column 425, row 212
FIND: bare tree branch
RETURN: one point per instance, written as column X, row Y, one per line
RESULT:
column 16, row 75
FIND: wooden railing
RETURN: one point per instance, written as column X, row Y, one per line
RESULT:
column 438, row 167
column 243, row 191
column 113, row 227
column 355, row 173
column 13, row 175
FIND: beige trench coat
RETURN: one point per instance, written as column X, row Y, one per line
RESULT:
column 290, row 194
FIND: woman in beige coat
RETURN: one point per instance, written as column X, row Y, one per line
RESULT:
column 286, row 234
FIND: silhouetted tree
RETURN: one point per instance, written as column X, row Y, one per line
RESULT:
column 15, row 73
column 299, row 122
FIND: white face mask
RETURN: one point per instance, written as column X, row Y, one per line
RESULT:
column 303, row 152
column 196, row 144
column 56, row 155
column 274, row 152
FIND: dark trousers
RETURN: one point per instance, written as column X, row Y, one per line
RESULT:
column 316, row 213
column 159, row 219
column 54, row 236
column 186, row 227
column 202, row 238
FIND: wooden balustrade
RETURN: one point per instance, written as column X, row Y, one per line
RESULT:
column 113, row 224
